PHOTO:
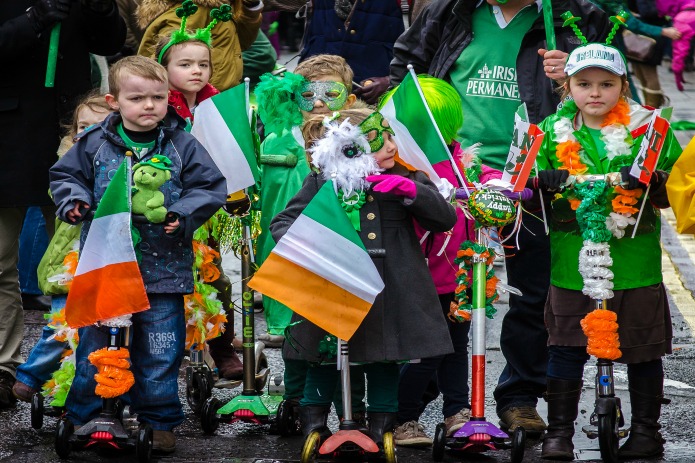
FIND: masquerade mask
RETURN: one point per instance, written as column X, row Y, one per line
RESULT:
column 376, row 123
column 333, row 94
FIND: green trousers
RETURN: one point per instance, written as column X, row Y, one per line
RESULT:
column 382, row 395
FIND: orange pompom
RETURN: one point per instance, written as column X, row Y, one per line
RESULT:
column 113, row 375
column 601, row 330
column 574, row 203
column 491, row 286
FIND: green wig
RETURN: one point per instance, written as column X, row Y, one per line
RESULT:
column 444, row 102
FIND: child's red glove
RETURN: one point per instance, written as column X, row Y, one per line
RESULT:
column 395, row 184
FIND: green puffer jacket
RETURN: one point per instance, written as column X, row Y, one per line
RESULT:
column 636, row 262
column 66, row 239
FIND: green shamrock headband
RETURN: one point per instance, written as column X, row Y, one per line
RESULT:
column 188, row 8
column 571, row 20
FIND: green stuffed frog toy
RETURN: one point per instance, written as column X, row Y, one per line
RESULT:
column 148, row 177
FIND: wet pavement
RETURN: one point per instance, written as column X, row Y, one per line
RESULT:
column 248, row 443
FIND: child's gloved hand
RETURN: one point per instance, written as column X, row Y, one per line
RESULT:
column 627, row 181
column 678, row 75
column 552, row 179
column 45, row 13
column 394, row 184
column 78, row 212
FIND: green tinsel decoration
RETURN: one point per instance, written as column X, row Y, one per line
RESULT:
column 591, row 213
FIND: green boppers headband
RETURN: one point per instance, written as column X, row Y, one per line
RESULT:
column 188, row 8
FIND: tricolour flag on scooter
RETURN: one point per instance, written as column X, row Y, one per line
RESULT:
column 223, row 127
column 320, row 268
column 107, row 280
column 420, row 143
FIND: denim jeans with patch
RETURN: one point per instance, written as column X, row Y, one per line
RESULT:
column 157, row 346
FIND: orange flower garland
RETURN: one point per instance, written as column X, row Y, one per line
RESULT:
column 625, row 200
column 568, row 154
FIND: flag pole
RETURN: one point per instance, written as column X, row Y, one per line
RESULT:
column 429, row 113
column 52, row 56
column 549, row 28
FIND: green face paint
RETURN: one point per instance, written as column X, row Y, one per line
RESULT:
column 376, row 123
column 333, row 94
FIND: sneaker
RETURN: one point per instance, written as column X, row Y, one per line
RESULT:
column 524, row 416
column 23, row 391
column 7, row 399
column 163, row 441
column 411, row 434
column 455, row 422
column 271, row 340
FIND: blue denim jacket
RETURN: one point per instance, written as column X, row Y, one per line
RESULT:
column 195, row 191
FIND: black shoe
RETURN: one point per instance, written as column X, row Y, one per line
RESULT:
column 36, row 302
column 7, row 399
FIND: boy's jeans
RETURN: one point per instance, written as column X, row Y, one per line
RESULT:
column 156, row 350
column 44, row 358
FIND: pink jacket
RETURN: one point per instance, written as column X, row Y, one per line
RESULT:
column 442, row 267
column 683, row 14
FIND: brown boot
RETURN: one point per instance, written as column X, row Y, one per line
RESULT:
column 646, row 398
column 223, row 353
column 563, row 403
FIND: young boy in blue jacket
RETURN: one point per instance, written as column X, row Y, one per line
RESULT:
column 144, row 127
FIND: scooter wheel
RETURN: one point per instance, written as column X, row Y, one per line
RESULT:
column 208, row 416
column 197, row 391
column 143, row 445
column 64, row 431
column 261, row 365
column 389, row 448
column 285, row 419
column 311, row 448
column 608, row 437
column 518, row 445
column 439, row 442
column 37, row 410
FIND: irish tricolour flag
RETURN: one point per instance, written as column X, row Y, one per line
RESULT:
column 320, row 268
column 223, row 126
column 420, row 144
column 107, row 281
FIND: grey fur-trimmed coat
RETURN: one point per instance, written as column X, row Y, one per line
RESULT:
column 406, row 321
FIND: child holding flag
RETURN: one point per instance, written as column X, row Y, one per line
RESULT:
column 599, row 131
column 187, row 58
column 320, row 85
column 355, row 155
column 142, row 127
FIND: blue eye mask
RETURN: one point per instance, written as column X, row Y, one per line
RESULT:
column 333, row 94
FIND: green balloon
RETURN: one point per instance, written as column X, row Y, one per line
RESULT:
column 491, row 208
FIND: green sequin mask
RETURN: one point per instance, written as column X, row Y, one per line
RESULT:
column 333, row 94
column 377, row 124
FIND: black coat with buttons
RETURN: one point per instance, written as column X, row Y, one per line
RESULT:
column 406, row 321
column 31, row 114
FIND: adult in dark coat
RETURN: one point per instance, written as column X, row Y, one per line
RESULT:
column 30, row 124
column 405, row 321
column 433, row 44
column 361, row 31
